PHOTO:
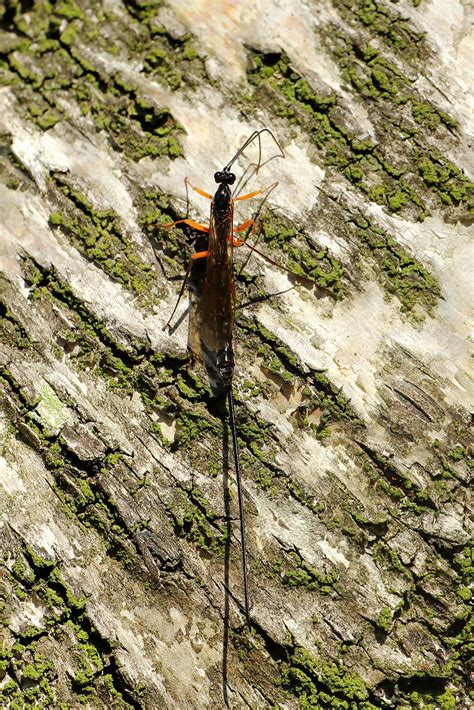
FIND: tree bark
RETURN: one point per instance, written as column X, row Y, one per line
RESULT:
column 121, row 577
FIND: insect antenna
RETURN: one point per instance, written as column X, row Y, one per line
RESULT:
column 250, row 139
column 238, row 476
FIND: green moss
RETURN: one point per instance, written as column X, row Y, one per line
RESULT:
column 29, row 633
column 43, row 117
column 91, row 509
column 271, row 344
column 72, row 602
column 45, row 283
column 23, row 573
column 387, row 89
column 82, row 680
column 385, row 619
column 46, row 44
column 136, row 127
column 319, row 684
column 69, row 35
column 386, row 24
column 464, row 593
column 12, row 183
column 301, row 254
column 293, row 571
column 82, row 500
column 447, row 700
column 382, row 81
column 321, row 118
column 397, row 200
column 195, row 521
column 402, row 274
column 458, row 453
column 187, row 391
column 264, row 479
column 441, row 175
column 98, row 235
column 194, row 424
column 23, row 72
column 464, row 563
column 354, row 172
column 298, row 102
column 12, row 329
column 254, row 434
column 90, row 668
column 431, row 117
column 9, row 689
column 400, row 488
column 69, row 10
column 35, row 671
column 37, row 561
column 324, row 396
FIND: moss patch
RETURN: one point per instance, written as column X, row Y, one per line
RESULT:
column 398, row 486
column 195, row 521
column 47, row 70
column 30, row 675
column 11, row 328
column 388, row 25
column 320, row 684
column 294, row 571
column 410, row 129
column 99, row 235
column 401, row 273
column 303, row 255
column 401, row 168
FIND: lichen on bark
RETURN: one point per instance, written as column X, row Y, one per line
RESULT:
column 119, row 546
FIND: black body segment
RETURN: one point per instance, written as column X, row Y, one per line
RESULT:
column 218, row 295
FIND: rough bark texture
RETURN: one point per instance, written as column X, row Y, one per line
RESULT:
column 118, row 501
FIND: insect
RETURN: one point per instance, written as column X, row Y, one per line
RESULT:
column 217, row 303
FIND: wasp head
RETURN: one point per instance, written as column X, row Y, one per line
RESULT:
column 225, row 177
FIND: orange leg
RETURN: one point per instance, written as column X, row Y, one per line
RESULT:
column 241, row 242
column 257, row 192
column 197, row 189
column 245, row 225
column 190, row 222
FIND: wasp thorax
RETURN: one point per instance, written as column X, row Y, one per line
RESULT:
column 225, row 177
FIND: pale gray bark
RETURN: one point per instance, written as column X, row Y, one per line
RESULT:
column 352, row 397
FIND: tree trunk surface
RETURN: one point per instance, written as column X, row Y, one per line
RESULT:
column 121, row 582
